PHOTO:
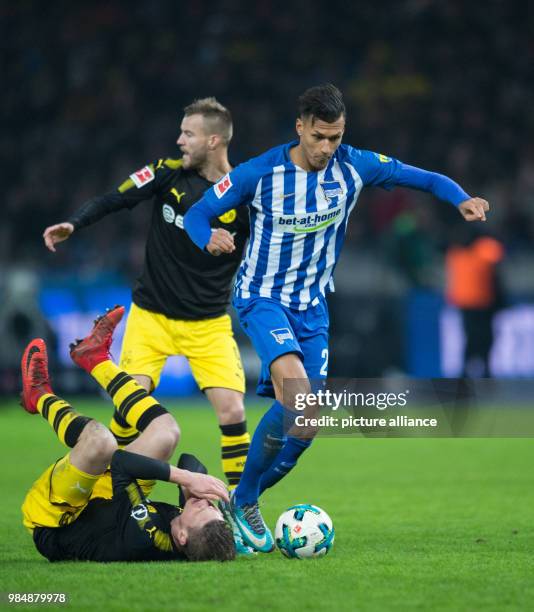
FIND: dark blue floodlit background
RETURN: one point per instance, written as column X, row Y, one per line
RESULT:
column 93, row 91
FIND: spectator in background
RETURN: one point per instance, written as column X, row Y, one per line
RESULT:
column 472, row 286
column 78, row 77
column 412, row 248
column 21, row 320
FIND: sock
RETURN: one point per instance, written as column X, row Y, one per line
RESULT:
column 67, row 423
column 264, row 447
column 284, row 462
column 133, row 404
column 124, row 434
column 235, row 442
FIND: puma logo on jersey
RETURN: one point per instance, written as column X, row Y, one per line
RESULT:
column 78, row 487
column 177, row 195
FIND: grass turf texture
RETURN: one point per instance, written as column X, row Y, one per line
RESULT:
column 420, row 524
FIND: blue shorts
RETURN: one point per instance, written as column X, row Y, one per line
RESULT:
column 276, row 330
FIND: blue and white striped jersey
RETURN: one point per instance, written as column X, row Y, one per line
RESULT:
column 298, row 218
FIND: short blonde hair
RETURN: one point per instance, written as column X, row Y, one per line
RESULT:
column 216, row 116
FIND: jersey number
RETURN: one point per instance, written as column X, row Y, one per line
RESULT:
column 324, row 368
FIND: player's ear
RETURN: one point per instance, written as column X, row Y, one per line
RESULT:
column 299, row 126
column 214, row 140
column 181, row 536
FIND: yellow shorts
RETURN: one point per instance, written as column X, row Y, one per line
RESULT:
column 60, row 494
column 208, row 345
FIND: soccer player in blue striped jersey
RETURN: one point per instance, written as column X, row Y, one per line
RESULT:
column 300, row 196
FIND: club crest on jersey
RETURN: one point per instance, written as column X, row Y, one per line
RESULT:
column 223, row 186
column 281, row 335
column 142, row 177
column 331, row 189
column 229, row 216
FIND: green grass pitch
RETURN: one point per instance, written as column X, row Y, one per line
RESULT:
column 420, row 525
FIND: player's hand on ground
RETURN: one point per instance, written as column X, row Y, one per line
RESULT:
column 221, row 241
column 474, row 209
column 202, row 486
column 57, row 233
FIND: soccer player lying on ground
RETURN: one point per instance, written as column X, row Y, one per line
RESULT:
column 300, row 196
column 80, row 510
column 181, row 297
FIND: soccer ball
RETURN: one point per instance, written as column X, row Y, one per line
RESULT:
column 304, row 531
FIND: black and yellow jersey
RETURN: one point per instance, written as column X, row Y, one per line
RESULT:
column 178, row 280
column 127, row 527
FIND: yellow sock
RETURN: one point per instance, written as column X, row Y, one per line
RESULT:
column 234, row 449
column 133, row 404
column 67, row 423
column 124, row 434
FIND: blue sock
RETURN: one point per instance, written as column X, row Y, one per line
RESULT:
column 284, row 462
column 266, row 443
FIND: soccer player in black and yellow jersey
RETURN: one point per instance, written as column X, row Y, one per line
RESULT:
column 180, row 299
column 81, row 510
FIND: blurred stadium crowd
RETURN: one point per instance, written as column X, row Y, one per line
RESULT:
column 95, row 90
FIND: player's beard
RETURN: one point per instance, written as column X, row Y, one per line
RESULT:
column 319, row 164
column 195, row 160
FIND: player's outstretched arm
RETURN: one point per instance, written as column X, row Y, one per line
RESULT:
column 444, row 188
column 57, row 233
column 474, row 209
column 140, row 186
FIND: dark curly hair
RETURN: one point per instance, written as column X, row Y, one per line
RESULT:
column 324, row 102
column 212, row 542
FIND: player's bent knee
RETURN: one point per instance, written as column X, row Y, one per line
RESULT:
column 231, row 412
column 168, row 432
column 98, row 442
column 174, row 433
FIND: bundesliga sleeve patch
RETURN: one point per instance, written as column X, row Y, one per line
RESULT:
column 384, row 159
column 142, row 177
column 223, row 186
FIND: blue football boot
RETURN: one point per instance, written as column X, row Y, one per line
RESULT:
column 241, row 549
column 250, row 523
